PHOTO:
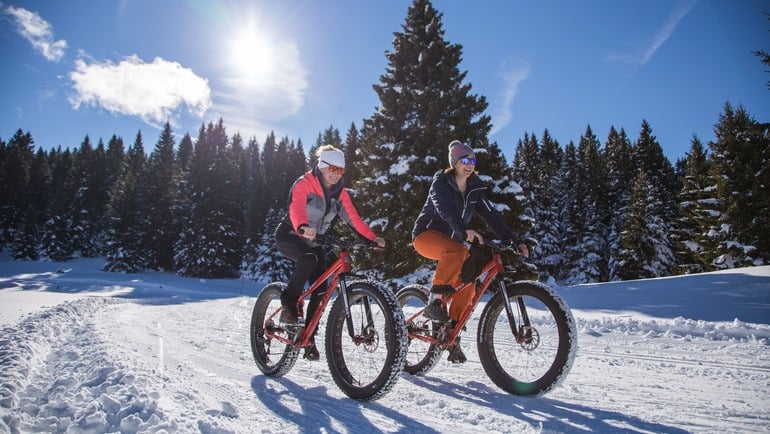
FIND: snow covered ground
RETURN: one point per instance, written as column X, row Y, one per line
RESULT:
column 82, row 350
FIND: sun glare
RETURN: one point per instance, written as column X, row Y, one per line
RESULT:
column 251, row 55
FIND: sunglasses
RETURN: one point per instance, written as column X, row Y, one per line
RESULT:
column 468, row 160
column 334, row 169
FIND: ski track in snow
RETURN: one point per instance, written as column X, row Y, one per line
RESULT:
column 179, row 363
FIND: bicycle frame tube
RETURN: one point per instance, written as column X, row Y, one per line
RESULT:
column 492, row 269
column 336, row 272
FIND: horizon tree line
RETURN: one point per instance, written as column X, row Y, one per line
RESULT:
column 206, row 207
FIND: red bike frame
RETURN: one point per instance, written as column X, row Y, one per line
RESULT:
column 492, row 269
column 335, row 271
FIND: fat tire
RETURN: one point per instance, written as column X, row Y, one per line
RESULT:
column 390, row 332
column 497, row 361
column 273, row 358
column 421, row 356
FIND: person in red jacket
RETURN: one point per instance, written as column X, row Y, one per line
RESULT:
column 316, row 199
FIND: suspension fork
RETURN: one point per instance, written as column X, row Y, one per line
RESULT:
column 522, row 310
column 343, row 286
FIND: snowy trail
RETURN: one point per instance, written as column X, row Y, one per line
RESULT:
column 636, row 378
column 159, row 353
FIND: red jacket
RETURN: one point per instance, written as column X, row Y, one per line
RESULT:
column 309, row 205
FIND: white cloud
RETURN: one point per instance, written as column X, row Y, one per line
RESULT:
column 271, row 90
column 512, row 79
column 151, row 91
column 38, row 32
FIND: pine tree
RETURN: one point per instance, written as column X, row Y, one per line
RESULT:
column 353, row 155
column 211, row 242
column 740, row 158
column 569, row 211
column 89, row 205
column 184, row 153
column 40, row 187
column 262, row 261
column 273, row 197
column 286, row 161
column 635, row 244
column 621, row 170
column 525, row 167
column 14, row 182
column 255, row 190
column 424, row 105
column 645, row 251
column 700, row 210
column 56, row 238
column 124, row 246
column 26, row 236
column 592, row 216
column 160, row 184
column 4, row 197
column 664, row 186
column 24, row 244
column 650, row 158
column 114, row 157
column 547, row 204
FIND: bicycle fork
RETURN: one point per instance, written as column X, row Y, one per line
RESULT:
column 356, row 338
column 521, row 331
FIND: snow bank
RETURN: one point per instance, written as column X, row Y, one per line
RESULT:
column 680, row 327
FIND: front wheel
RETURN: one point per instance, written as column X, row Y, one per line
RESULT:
column 366, row 364
column 539, row 355
column 273, row 357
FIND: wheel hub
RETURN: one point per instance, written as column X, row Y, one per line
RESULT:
column 529, row 338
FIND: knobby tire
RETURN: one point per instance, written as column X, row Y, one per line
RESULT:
column 421, row 356
column 541, row 359
column 274, row 358
column 367, row 369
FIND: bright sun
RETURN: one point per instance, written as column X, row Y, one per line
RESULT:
column 251, row 55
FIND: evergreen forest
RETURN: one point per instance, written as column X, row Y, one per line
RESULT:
column 600, row 208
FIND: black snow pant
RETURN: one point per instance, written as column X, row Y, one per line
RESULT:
column 310, row 265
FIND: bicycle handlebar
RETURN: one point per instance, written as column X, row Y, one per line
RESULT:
column 335, row 241
column 503, row 246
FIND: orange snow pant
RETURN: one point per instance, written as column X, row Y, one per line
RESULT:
column 450, row 255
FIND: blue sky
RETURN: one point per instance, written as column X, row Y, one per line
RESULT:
column 98, row 68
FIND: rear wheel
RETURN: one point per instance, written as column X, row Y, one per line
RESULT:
column 421, row 356
column 273, row 357
column 367, row 365
column 538, row 359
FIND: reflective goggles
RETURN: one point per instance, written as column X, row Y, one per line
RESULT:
column 334, row 169
column 468, row 160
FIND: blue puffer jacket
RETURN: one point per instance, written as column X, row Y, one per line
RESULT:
column 447, row 210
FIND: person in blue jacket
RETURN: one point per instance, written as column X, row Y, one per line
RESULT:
column 442, row 229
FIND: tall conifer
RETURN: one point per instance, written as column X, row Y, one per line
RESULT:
column 424, row 105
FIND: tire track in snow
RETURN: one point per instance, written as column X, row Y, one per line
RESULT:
column 674, row 361
column 65, row 381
